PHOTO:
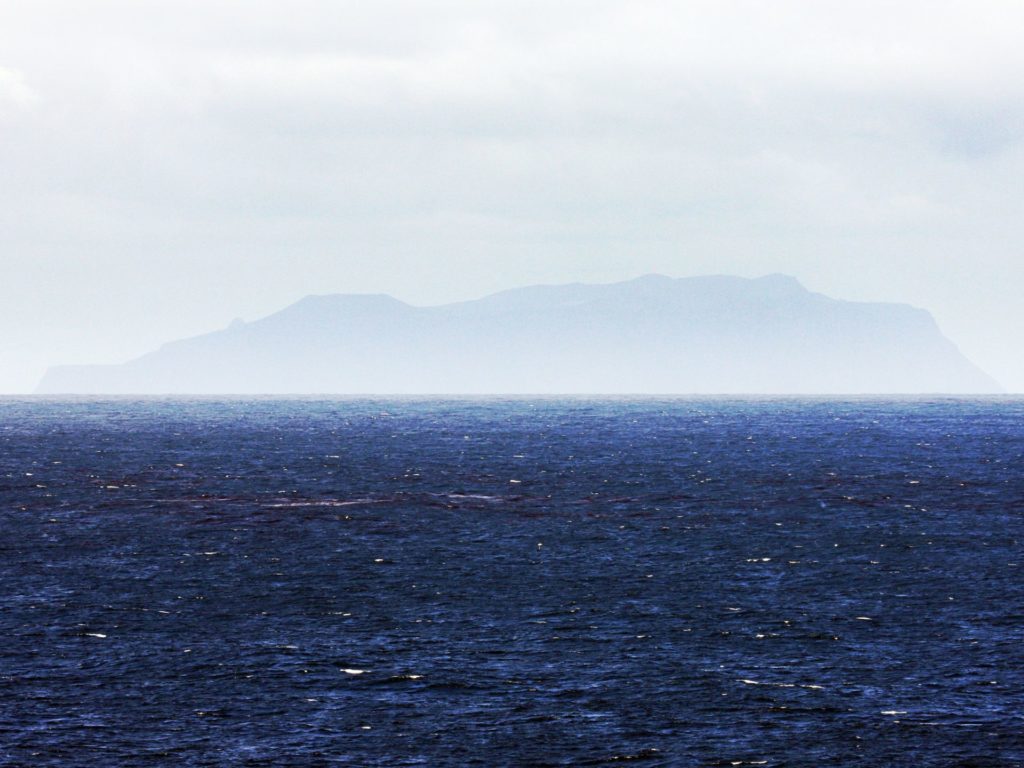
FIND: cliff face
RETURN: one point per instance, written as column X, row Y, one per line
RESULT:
column 714, row 335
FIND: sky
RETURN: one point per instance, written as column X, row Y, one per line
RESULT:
column 168, row 166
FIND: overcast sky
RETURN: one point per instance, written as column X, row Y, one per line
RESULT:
column 166, row 167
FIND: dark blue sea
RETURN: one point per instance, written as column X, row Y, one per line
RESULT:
column 545, row 582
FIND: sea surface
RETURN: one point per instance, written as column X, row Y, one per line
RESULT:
column 546, row 582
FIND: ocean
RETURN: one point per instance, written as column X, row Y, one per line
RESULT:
column 512, row 582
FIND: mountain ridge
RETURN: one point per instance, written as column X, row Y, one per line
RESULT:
column 715, row 334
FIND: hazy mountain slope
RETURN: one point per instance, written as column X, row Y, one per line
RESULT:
column 649, row 335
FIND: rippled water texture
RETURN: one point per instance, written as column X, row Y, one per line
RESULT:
column 435, row 583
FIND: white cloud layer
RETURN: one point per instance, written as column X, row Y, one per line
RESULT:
column 14, row 91
column 169, row 165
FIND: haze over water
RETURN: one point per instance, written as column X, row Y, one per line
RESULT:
column 511, row 582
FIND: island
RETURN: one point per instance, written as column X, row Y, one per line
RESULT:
column 651, row 335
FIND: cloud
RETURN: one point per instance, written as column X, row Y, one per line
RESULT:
column 14, row 90
column 334, row 107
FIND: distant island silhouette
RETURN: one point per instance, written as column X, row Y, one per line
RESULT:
column 651, row 335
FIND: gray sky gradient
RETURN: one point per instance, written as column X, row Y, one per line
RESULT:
column 168, row 166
